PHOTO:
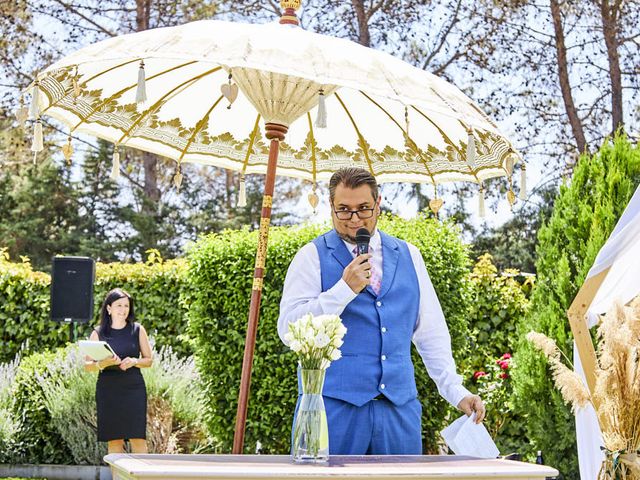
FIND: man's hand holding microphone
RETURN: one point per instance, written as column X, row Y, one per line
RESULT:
column 358, row 272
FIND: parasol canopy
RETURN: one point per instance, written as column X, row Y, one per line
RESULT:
column 399, row 122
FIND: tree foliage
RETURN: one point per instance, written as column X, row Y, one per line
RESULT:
column 585, row 213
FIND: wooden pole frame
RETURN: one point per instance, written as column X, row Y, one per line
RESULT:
column 276, row 134
column 577, row 314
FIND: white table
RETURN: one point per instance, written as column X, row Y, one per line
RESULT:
column 271, row 467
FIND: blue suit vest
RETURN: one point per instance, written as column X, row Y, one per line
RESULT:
column 376, row 355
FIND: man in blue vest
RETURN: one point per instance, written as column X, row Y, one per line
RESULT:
column 386, row 300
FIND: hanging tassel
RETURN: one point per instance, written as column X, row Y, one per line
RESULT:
column 511, row 198
column 115, row 166
column 471, row 149
column 523, row 182
column 22, row 114
column 67, row 150
column 38, row 144
column 141, row 91
column 321, row 118
column 313, row 198
column 481, row 210
column 229, row 91
column 508, row 166
column 242, row 194
column 177, row 179
column 34, row 108
column 435, row 204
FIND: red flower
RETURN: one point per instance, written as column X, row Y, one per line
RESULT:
column 479, row 374
column 504, row 375
column 504, row 364
column 506, row 356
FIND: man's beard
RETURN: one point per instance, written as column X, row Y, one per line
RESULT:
column 346, row 237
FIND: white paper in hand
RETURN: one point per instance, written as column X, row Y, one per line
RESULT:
column 465, row 437
column 97, row 350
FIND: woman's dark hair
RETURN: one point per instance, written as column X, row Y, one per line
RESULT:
column 105, row 319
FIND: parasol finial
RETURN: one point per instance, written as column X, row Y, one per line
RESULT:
column 289, row 16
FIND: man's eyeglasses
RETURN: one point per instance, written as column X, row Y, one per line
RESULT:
column 362, row 214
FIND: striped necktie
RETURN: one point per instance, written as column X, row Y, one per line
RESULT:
column 375, row 280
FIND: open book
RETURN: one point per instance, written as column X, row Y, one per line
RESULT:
column 97, row 350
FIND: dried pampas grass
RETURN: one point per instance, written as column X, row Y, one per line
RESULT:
column 616, row 397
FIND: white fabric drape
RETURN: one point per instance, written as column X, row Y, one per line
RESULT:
column 621, row 253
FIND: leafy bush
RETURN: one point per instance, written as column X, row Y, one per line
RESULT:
column 220, row 275
column 176, row 397
column 8, row 425
column 69, row 398
column 584, row 215
column 54, row 409
column 505, row 424
column 36, row 439
column 498, row 303
column 24, row 303
column 24, row 309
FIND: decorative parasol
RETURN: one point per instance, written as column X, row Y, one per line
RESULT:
column 200, row 92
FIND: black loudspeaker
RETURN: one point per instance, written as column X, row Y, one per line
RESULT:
column 72, row 289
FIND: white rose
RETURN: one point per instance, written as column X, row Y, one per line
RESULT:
column 336, row 354
column 317, row 323
column 296, row 346
column 308, row 334
column 337, row 342
column 341, row 330
column 321, row 340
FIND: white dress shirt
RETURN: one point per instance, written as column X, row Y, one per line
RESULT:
column 302, row 294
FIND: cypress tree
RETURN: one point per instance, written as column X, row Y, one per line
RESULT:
column 585, row 213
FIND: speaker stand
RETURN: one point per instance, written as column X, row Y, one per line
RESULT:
column 73, row 332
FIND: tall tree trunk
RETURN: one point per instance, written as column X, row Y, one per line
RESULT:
column 364, row 38
column 143, row 9
column 609, row 13
column 229, row 186
column 563, row 74
column 151, row 190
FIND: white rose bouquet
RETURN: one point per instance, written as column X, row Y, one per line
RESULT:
column 316, row 340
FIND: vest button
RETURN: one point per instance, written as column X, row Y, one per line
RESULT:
column 384, row 329
column 379, row 304
column 384, row 357
column 382, row 386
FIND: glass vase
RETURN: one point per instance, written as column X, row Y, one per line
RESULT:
column 310, row 431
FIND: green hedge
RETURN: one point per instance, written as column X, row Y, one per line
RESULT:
column 52, row 408
column 584, row 215
column 24, row 303
column 36, row 440
column 499, row 301
column 220, row 277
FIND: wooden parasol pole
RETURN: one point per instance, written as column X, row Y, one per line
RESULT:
column 275, row 133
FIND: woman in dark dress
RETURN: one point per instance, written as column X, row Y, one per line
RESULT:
column 121, row 395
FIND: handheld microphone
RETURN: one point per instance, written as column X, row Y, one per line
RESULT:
column 362, row 241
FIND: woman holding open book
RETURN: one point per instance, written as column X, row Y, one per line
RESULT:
column 121, row 395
